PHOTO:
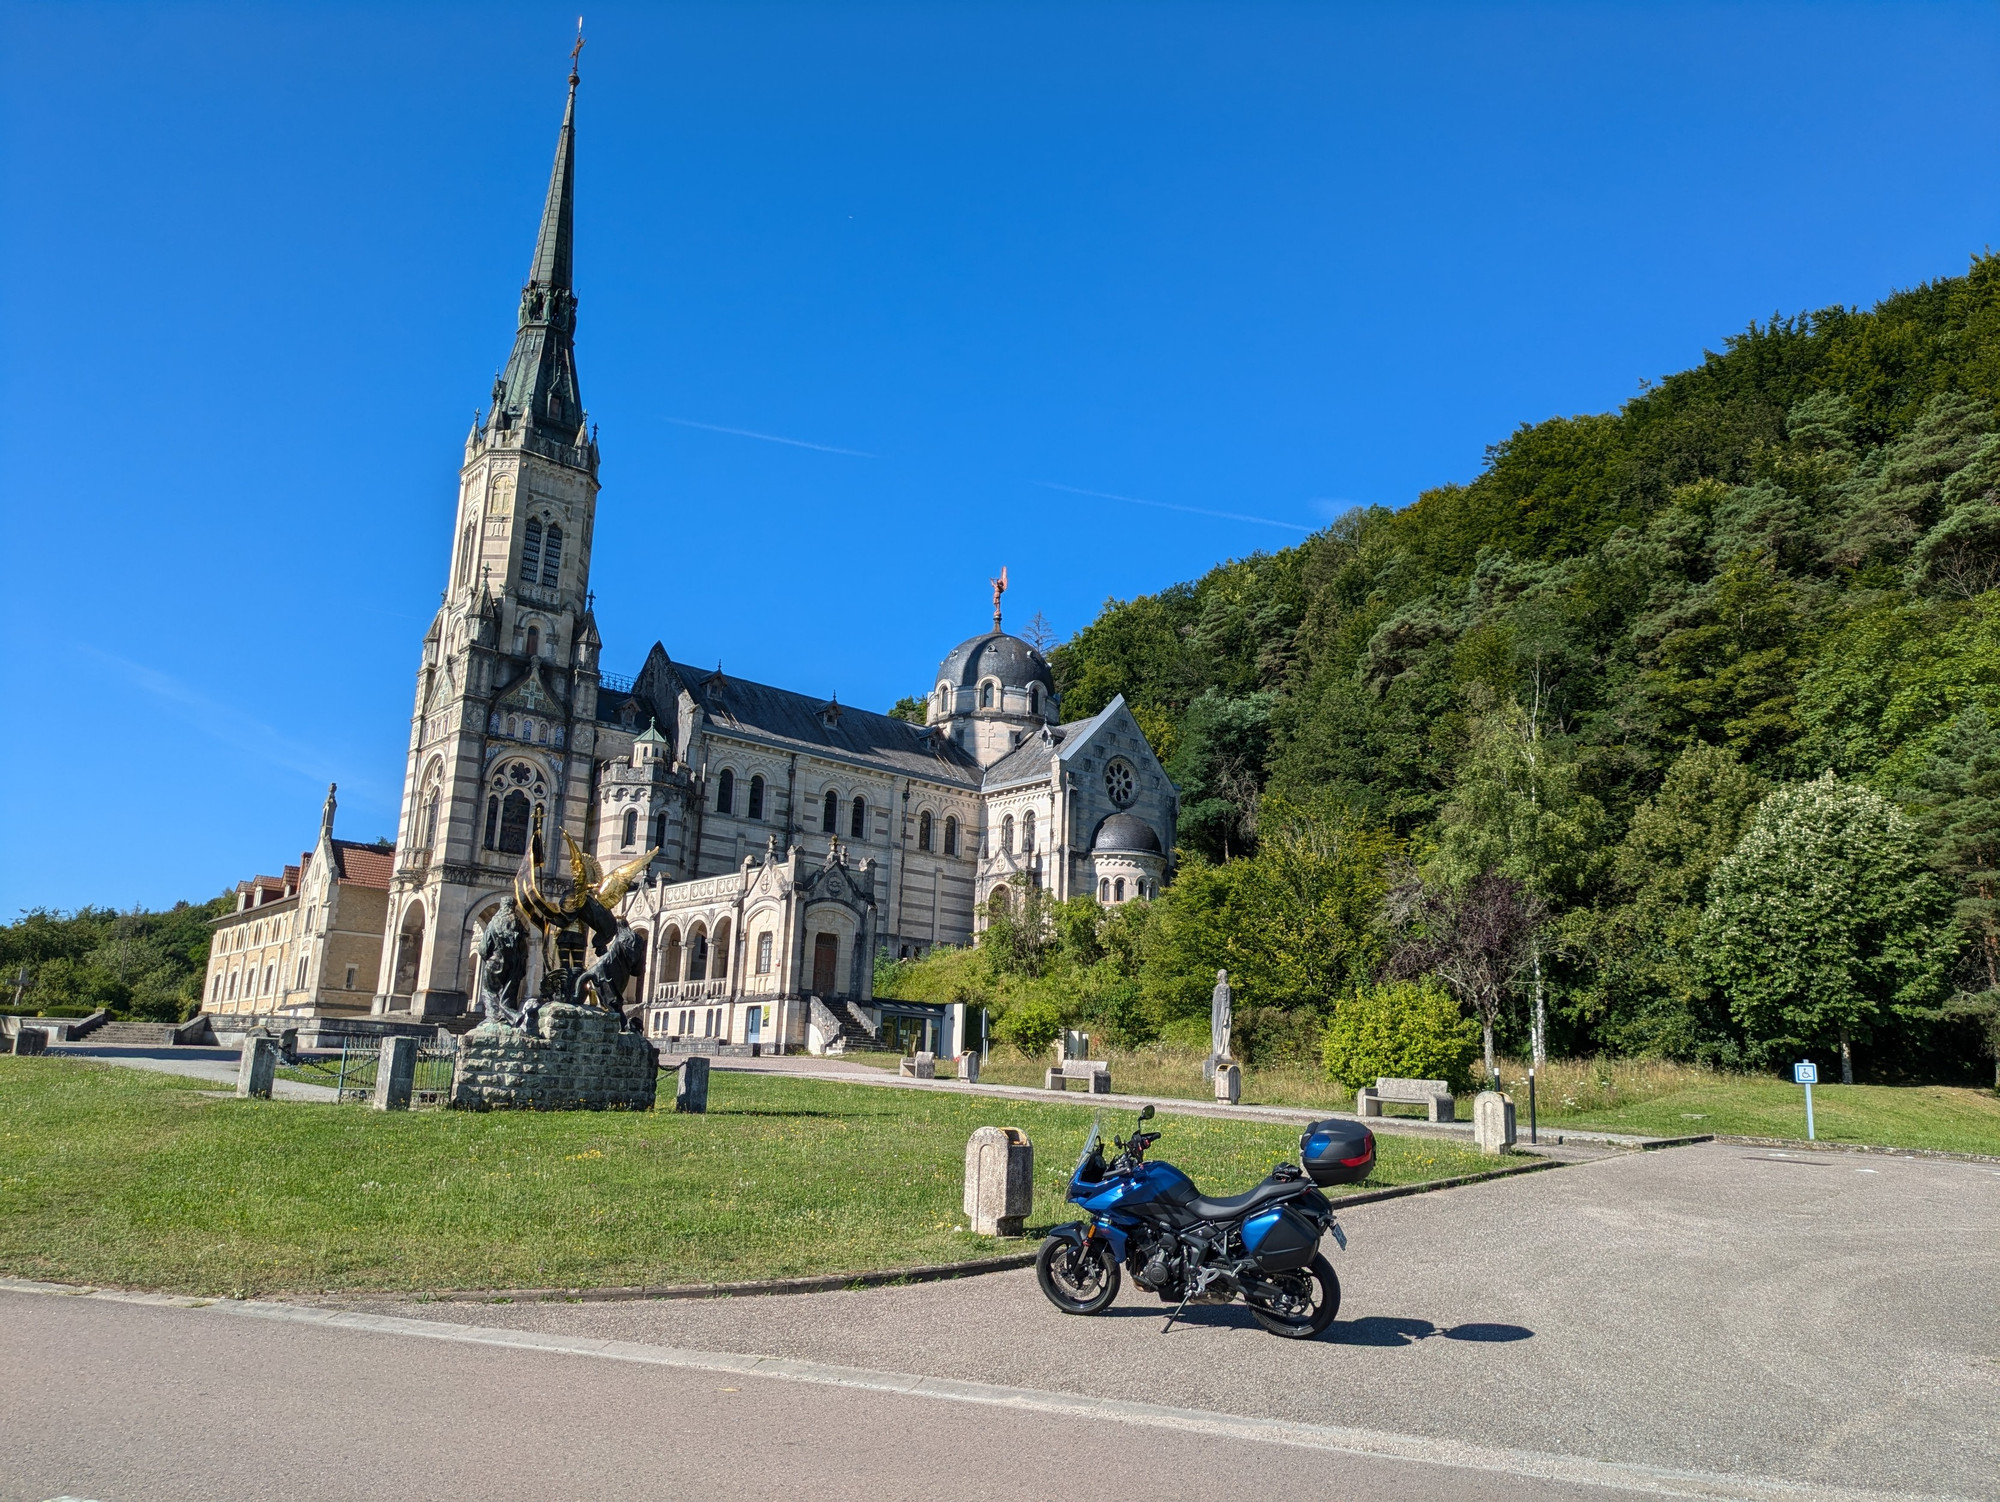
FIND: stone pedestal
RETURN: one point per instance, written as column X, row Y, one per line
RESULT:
column 1493, row 1121
column 1228, row 1084
column 258, row 1068
column 395, row 1074
column 574, row 1059
column 999, row 1180
column 691, row 1086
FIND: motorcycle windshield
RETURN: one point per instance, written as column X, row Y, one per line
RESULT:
column 1090, row 1144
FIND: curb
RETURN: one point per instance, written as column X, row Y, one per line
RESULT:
column 1791, row 1144
column 1401, row 1191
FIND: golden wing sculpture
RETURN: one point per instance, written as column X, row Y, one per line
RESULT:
column 583, row 866
column 622, row 880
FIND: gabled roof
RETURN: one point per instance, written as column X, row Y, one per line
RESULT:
column 803, row 722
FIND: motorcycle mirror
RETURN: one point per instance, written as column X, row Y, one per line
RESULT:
column 1145, row 1113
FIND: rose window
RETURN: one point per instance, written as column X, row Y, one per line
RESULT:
column 1118, row 782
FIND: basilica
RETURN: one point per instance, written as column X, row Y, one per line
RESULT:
column 794, row 839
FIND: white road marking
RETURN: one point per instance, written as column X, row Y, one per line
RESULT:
column 1576, row 1470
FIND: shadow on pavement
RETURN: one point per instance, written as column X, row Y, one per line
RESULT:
column 1383, row 1330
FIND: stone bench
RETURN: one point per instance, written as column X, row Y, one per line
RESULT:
column 1434, row 1095
column 1093, row 1074
column 921, row 1066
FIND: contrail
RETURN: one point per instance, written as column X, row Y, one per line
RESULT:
column 797, row 443
column 230, row 726
column 1228, row 516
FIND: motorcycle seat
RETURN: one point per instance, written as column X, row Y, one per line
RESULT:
column 1232, row 1206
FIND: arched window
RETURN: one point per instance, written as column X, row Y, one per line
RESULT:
column 536, row 839
column 1118, row 890
column 698, row 954
column 985, row 696
column 1001, row 902
column 1007, row 835
column 430, row 820
column 943, row 701
column 492, row 820
column 300, row 983
column 763, row 954
column 924, row 830
column 514, row 824
column 725, row 792
column 720, row 969
column 270, row 979
column 534, row 641
column 552, row 557
column 857, row 819
column 631, row 828
column 531, row 551
column 659, row 831
column 951, row 835
column 829, row 819
column 670, row 957
column 232, row 983
column 465, row 556
column 1028, row 832
column 1104, row 889
column 757, row 797
column 1034, row 699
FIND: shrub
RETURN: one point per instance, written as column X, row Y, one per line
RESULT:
column 1031, row 1025
column 1407, row 1029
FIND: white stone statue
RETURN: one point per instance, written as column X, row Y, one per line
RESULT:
column 1218, row 1025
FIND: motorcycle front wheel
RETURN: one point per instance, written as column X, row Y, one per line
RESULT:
column 1077, row 1280
column 1297, row 1305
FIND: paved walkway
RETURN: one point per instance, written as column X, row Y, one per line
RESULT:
column 222, row 1065
column 1714, row 1321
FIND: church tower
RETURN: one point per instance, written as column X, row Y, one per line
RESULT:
column 506, row 700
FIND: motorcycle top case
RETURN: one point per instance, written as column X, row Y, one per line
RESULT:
column 1336, row 1152
column 1280, row 1239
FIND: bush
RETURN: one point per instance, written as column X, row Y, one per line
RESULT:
column 1407, row 1030
column 1031, row 1025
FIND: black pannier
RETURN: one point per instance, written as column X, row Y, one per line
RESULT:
column 1337, row 1152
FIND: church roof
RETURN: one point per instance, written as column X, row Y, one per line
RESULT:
column 996, row 655
column 364, row 865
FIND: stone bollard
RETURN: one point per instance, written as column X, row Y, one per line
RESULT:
column 31, row 1040
column 968, row 1066
column 1228, row 1084
column 999, row 1180
column 259, row 1066
column 691, row 1090
column 1493, row 1121
column 924, row 1067
column 395, row 1074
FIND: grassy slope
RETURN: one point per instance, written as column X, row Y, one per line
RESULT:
column 118, row 1176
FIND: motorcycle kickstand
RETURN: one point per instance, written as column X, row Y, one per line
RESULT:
column 1177, row 1311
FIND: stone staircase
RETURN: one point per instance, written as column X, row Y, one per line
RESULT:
column 132, row 1034
column 855, row 1034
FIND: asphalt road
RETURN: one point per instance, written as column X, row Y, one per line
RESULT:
column 1711, row 1321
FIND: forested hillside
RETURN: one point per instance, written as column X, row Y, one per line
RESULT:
column 139, row 964
column 1578, row 687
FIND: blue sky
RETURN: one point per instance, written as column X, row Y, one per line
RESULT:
column 974, row 272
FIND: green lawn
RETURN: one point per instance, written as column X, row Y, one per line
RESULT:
column 1953, row 1118
column 125, row 1177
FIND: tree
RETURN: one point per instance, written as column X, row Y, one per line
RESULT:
column 915, row 710
column 1405, row 1029
column 1826, row 921
column 1476, row 939
column 1958, row 796
column 1516, row 809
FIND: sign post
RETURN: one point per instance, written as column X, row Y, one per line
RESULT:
column 1807, row 1075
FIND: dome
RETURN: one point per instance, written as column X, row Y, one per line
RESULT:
column 1126, row 832
column 996, row 655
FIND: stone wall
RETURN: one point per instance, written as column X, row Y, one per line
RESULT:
column 575, row 1059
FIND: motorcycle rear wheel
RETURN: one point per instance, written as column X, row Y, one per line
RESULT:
column 1077, row 1281
column 1313, row 1301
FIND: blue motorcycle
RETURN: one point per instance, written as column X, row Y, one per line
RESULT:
column 1261, row 1247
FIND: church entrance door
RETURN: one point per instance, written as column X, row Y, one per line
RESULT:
column 826, row 957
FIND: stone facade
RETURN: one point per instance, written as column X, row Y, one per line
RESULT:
column 795, row 838
column 575, row 1058
column 308, row 943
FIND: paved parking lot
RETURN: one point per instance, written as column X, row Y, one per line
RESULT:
column 1709, row 1321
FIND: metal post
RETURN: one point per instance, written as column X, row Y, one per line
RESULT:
column 340, row 1084
column 1532, row 1138
column 1809, row 1120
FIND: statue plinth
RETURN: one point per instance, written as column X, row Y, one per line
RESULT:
column 570, row 1059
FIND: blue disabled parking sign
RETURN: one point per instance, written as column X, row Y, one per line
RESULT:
column 1807, row 1074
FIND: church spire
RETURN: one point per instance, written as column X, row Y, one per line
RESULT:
column 538, row 392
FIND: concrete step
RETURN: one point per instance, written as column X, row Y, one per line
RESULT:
column 132, row 1034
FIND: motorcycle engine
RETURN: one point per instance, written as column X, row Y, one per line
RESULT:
column 1161, row 1268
